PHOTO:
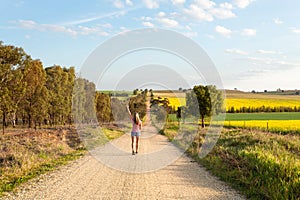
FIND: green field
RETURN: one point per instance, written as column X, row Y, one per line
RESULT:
column 263, row 116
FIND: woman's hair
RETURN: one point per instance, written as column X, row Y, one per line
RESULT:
column 136, row 118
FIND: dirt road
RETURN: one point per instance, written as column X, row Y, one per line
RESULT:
column 142, row 176
column 158, row 171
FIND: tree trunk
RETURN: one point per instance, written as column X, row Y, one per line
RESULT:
column 202, row 121
column 14, row 120
column 17, row 119
column 29, row 121
column 3, row 122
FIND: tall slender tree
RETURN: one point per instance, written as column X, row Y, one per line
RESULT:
column 12, row 67
column 35, row 100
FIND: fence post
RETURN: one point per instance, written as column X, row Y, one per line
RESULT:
column 267, row 126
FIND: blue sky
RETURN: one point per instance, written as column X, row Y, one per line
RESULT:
column 254, row 44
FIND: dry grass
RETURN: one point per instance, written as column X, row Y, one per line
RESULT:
column 27, row 153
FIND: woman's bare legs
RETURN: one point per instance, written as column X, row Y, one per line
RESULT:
column 132, row 141
column 137, row 144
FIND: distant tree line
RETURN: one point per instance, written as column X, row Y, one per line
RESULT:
column 249, row 109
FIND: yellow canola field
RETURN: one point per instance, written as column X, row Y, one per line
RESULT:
column 256, row 103
column 280, row 125
column 176, row 102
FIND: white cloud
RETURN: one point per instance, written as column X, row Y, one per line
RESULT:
column 175, row 14
column 206, row 10
column 107, row 15
column 148, row 24
column 84, row 30
column 295, row 30
column 59, row 29
column 129, row 2
column 222, row 12
column 178, row 2
column 242, row 3
column 161, row 14
column 267, row 52
column 29, row 24
column 277, row 21
column 223, row 31
column 27, row 36
column 73, row 31
column 270, row 63
column 226, row 6
column 146, row 18
column 249, row 32
column 118, row 4
column 198, row 13
column 170, row 23
column 151, row 4
column 107, row 25
column 236, row 51
column 205, row 4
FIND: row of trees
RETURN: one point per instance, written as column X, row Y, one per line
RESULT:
column 31, row 94
column 97, row 107
column 263, row 109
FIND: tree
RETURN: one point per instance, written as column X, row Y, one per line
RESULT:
column 90, row 106
column 204, row 101
column 78, row 101
column 103, row 107
column 178, row 114
column 135, row 91
column 217, row 101
column 35, row 99
column 53, row 84
column 192, row 108
column 68, row 91
column 12, row 87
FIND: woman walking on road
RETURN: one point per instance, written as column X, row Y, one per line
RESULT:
column 135, row 131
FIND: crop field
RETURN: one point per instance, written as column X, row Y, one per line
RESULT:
column 256, row 103
column 286, row 122
column 238, row 99
column 279, row 126
column 176, row 99
column 281, row 122
column 263, row 116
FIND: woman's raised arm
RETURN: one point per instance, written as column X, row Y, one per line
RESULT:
column 128, row 110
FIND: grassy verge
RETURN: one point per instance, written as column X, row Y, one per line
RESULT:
column 14, row 181
column 26, row 154
column 259, row 164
